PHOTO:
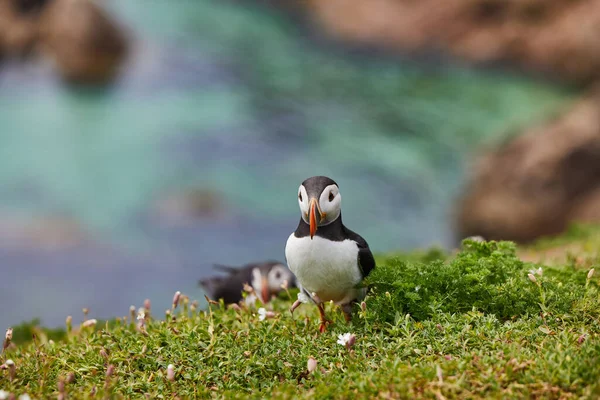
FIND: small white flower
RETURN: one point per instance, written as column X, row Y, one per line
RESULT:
column 10, row 363
column 303, row 298
column 141, row 313
column 24, row 397
column 538, row 271
column 262, row 314
column 417, row 288
column 532, row 278
column 344, row 339
column 4, row 394
column 250, row 299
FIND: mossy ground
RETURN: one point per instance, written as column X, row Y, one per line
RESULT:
column 472, row 324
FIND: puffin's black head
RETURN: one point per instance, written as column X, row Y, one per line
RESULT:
column 319, row 195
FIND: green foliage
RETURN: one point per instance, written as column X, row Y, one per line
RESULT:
column 478, row 327
column 416, row 256
column 484, row 276
column 576, row 232
column 24, row 332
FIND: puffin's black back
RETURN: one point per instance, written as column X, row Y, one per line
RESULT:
column 228, row 287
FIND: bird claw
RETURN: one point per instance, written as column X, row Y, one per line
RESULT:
column 324, row 320
column 295, row 305
column 323, row 326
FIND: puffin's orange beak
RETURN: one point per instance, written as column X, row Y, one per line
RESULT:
column 312, row 217
column 265, row 292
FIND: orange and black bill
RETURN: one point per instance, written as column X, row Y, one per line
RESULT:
column 312, row 216
column 265, row 292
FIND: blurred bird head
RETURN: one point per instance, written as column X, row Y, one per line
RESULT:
column 270, row 278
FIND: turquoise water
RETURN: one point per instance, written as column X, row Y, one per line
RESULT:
column 236, row 101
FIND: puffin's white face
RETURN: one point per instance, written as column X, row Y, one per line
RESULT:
column 277, row 276
column 321, row 211
column 265, row 286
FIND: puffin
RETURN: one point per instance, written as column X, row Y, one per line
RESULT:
column 329, row 260
column 267, row 278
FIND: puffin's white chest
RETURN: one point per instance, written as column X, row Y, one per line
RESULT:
column 327, row 268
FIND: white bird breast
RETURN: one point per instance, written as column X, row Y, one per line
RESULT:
column 327, row 268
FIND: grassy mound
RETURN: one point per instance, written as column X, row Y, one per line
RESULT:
column 477, row 324
column 486, row 277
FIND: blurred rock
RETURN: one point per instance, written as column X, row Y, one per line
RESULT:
column 554, row 36
column 539, row 182
column 182, row 207
column 19, row 21
column 85, row 45
column 587, row 208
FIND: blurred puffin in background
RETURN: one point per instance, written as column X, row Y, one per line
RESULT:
column 266, row 278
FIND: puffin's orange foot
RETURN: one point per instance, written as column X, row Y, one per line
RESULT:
column 323, row 326
column 324, row 320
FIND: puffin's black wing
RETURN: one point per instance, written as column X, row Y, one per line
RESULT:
column 366, row 261
column 229, row 287
column 226, row 268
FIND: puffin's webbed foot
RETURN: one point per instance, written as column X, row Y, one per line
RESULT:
column 324, row 320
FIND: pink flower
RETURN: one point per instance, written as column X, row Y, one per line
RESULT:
column 311, row 364
column 88, row 323
column 171, row 372
column 176, row 298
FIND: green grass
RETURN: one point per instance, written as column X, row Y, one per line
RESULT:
column 476, row 327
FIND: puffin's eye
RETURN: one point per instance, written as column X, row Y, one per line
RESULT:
column 331, row 196
column 300, row 196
